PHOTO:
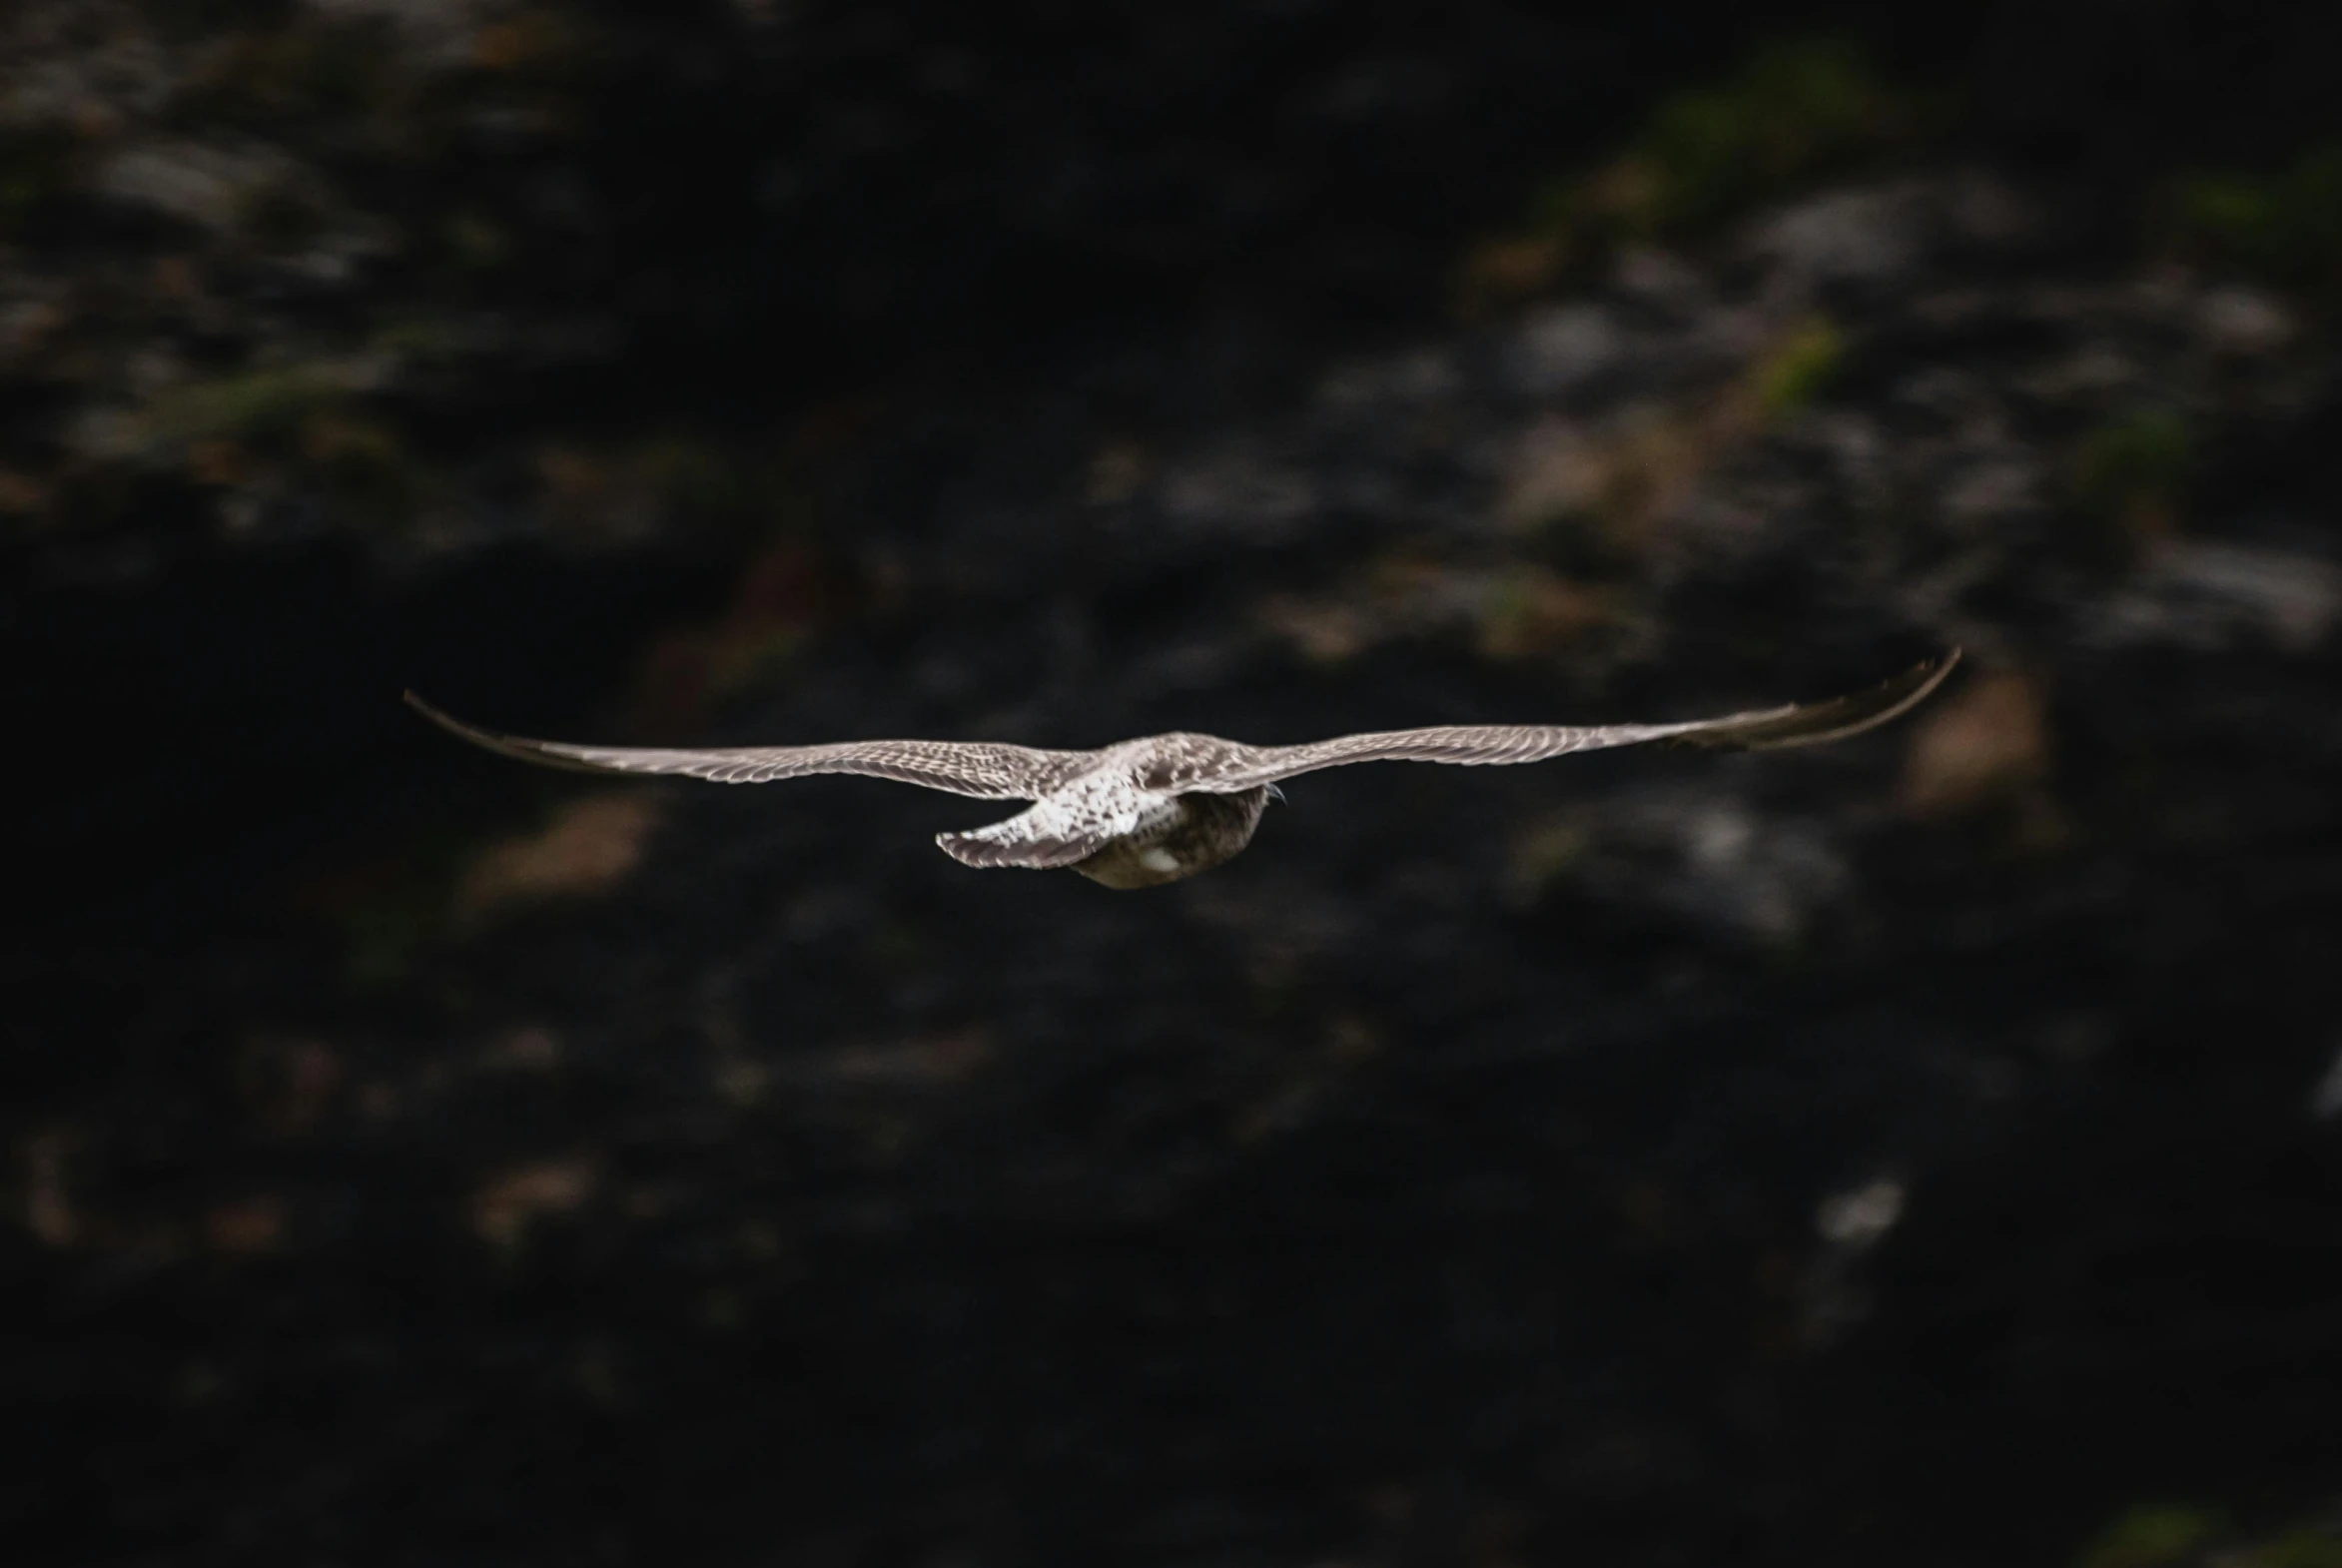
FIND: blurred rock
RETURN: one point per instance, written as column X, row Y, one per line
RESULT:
column 1869, row 236
column 1862, row 1216
column 2206, row 595
column 1700, row 854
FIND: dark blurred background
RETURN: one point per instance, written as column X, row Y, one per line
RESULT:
column 1925, row 1150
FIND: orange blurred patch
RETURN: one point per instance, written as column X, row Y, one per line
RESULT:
column 246, row 1229
column 587, row 848
column 218, row 463
column 48, row 1207
column 1324, row 633
column 175, row 278
column 1501, row 272
column 518, row 42
column 21, row 495
column 289, row 1083
column 934, row 1061
column 533, row 1047
column 504, row 1206
column 1989, row 742
column 1119, row 469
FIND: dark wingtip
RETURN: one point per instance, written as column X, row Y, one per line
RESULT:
column 448, row 722
column 1811, row 724
column 1887, row 701
column 513, row 746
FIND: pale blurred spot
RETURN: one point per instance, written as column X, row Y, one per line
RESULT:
column 1509, row 614
column 246, row 1229
column 2245, row 321
column 175, row 278
column 1351, row 1041
column 378, row 1101
column 198, row 1384
column 1323, row 633
column 2000, row 484
column 936, row 1062
column 1860, row 1217
column 648, row 1203
column 1690, row 850
column 587, row 848
column 2325, row 1101
column 503, row 1208
column 1531, row 610
column 1390, row 385
column 602, row 1371
column 1118, row 471
column 1500, row 271
column 21, row 495
column 1558, row 470
column 1543, row 855
column 1645, row 1207
column 2078, row 1038
column 533, row 1047
column 1867, row 234
column 1988, row 741
column 2094, row 368
column 219, row 463
column 1624, row 478
column 1559, row 351
column 532, row 38
column 333, row 438
column 742, row 1080
column 755, row 1238
column 289, row 1083
column 48, row 1209
column 200, row 182
column 25, row 323
column 2208, row 596
column 607, row 498
column 1647, row 269
column 1240, row 489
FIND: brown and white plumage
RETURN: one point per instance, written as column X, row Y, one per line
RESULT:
column 1163, row 807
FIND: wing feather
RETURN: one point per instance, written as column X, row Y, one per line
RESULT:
column 981, row 769
column 1492, row 745
column 1058, row 832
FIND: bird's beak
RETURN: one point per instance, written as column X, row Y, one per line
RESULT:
column 1276, row 794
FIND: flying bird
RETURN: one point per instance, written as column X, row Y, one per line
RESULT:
column 1162, row 808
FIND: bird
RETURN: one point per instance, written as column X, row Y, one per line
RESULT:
column 1162, row 808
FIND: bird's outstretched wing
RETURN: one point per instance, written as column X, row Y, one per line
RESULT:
column 1491, row 745
column 986, row 771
